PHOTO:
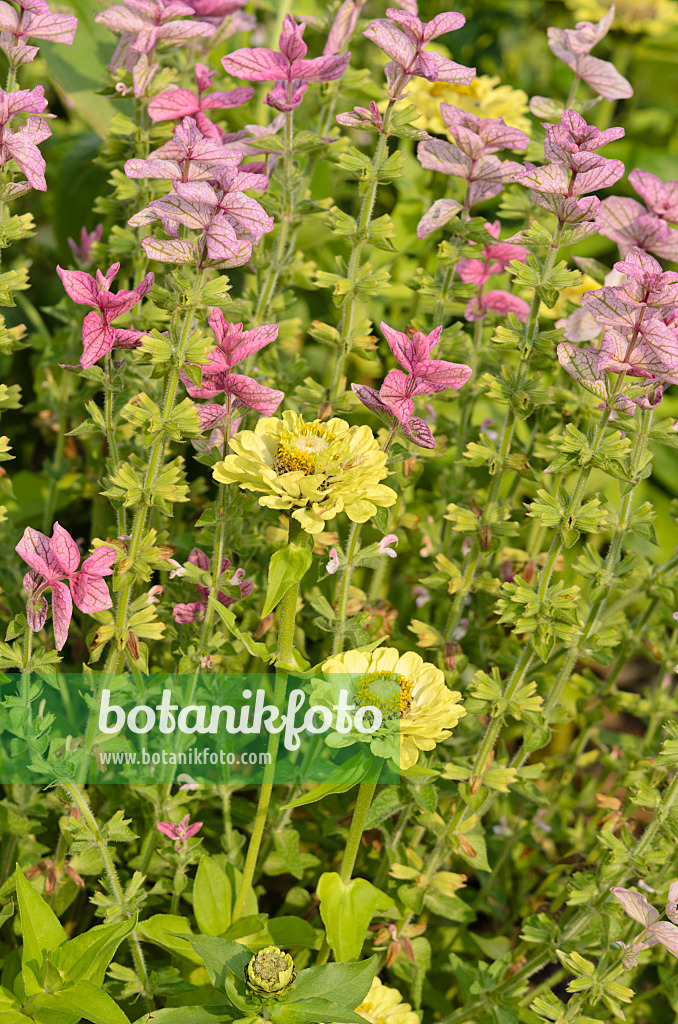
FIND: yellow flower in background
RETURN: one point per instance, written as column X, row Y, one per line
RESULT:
column 317, row 469
column 642, row 17
column 418, row 711
column 484, row 97
column 384, row 1005
column 573, row 294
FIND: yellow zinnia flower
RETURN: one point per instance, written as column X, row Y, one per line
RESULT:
column 384, row 1005
column 417, row 708
column 317, row 469
column 642, row 17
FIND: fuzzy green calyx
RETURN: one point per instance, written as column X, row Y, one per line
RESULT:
column 270, row 972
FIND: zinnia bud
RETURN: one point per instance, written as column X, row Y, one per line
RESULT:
column 270, row 972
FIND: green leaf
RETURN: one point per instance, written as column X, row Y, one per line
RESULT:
column 166, row 930
column 42, row 933
column 286, row 568
column 86, row 957
column 189, row 1015
column 220, row 955
column 314, row 1011
column 288, row 932
column 344, row 985
column 346, row 910
column 87, row 1000
column 212, row 898
column 352, row 771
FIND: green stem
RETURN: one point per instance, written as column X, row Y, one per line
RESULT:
column 77, row 795
column 153, row 468
column 284, row 655
column 355, row 260
column 111, row 440
column 345, row 587
column 281, row 256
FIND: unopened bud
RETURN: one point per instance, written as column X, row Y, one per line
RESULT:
column 270, row 972
column 408, row 466
column 74, row 876
column 325, row 411
column 450, row 655
column 133, row 645
column 474, row 784
column 529, row 571
column 51, row 881
column 485, row 537
column 475, row 508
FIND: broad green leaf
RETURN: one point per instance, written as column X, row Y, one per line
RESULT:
column 42, row 933
column 190, row 1015
column 286, row 568
column 220, row 955
column 288, row 932
column 314, row 1011
column 212, row 898
column 351, row 773
column 86, row 957
column 345, row 984
column 346, row 910
column 88, row 1000
column 166, row 930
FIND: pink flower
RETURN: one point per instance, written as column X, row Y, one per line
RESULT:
column 233, row 346
column 333, row 562
column 495, row 259
column 426, row 376
column 403, row 38
column 573, row 47
column 343, row 26
column 575, row 168
column 288, row 69
column 385, row 545
column 215, row 11
column 228, row 222
column 57, row 559
column 98, row 334
column 188, row 156
column 421, row 596
column 499, row 302
column 82, row 252
column 193, row 612
column 181, row 832
column 471, row 157
column 177, row 103
column 33, row 20
column 142, row 24
column 629, row 223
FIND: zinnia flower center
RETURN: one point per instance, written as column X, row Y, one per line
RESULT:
column 299, row 449
column 388, row 691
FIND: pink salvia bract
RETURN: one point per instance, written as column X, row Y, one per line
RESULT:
column 343, row 26
column 655, row 932
column 82, row 251
column 661, row 198
column 188, row 156
column 403, row 38
column 143, row 24
column 425, row 376
column 55, row 565
column 496, row 301
column 288, row 69
column 174, row 103
column 470, row 157
column 98, row 334
column 194, row 612
column 495, row 258
column 229, row 222
column 573, row 47
column 34, row 20
column 215, row 11
column 233, row 346
column 21, row 144
column 181, row 832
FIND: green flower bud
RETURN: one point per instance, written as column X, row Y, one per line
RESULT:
column 270, row 972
